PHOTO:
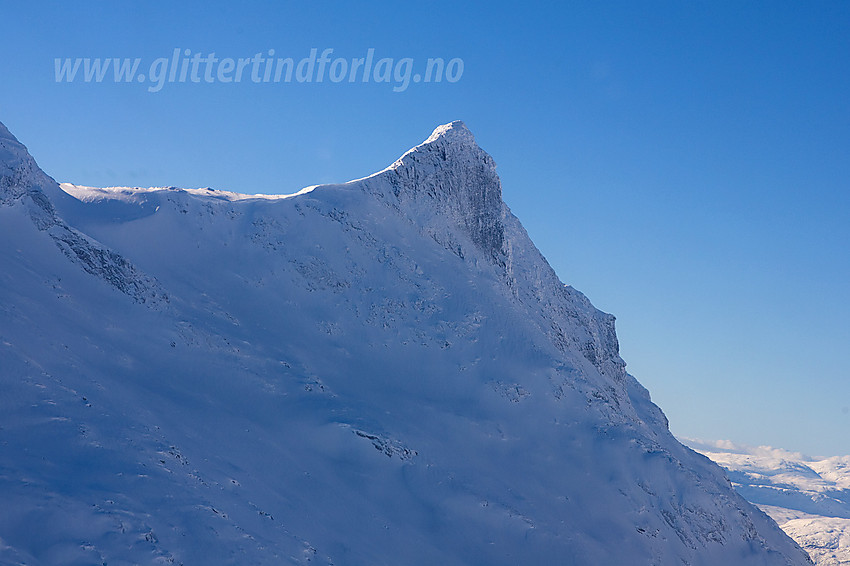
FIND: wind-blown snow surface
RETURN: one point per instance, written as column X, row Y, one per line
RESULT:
column 381, row 372
column 808, row 498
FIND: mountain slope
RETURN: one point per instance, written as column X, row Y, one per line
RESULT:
column 385, row 371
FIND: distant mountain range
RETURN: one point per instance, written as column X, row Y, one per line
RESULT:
column 809, row 498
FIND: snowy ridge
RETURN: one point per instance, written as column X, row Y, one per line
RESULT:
column 132, row 194
column 384, row 371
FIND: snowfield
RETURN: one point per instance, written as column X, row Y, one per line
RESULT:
column 809, row 498
column 381, row 372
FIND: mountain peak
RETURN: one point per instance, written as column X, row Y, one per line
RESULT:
column 21, row 177
column 452, row 132
column 12, row 152
column 24, row 184
column 5, row 133
column 444, row 184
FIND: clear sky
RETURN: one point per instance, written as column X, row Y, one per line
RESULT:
column 685, row 164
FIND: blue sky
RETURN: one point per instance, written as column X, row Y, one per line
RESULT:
column 685, row 164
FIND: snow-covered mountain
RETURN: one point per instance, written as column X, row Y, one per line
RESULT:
column 809, row 498
column 385, row 371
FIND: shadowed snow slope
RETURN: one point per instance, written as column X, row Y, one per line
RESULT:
column 384, row 371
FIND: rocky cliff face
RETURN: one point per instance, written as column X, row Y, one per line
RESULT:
column 385, row 371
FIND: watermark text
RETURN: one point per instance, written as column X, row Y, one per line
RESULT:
column 186, row 66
